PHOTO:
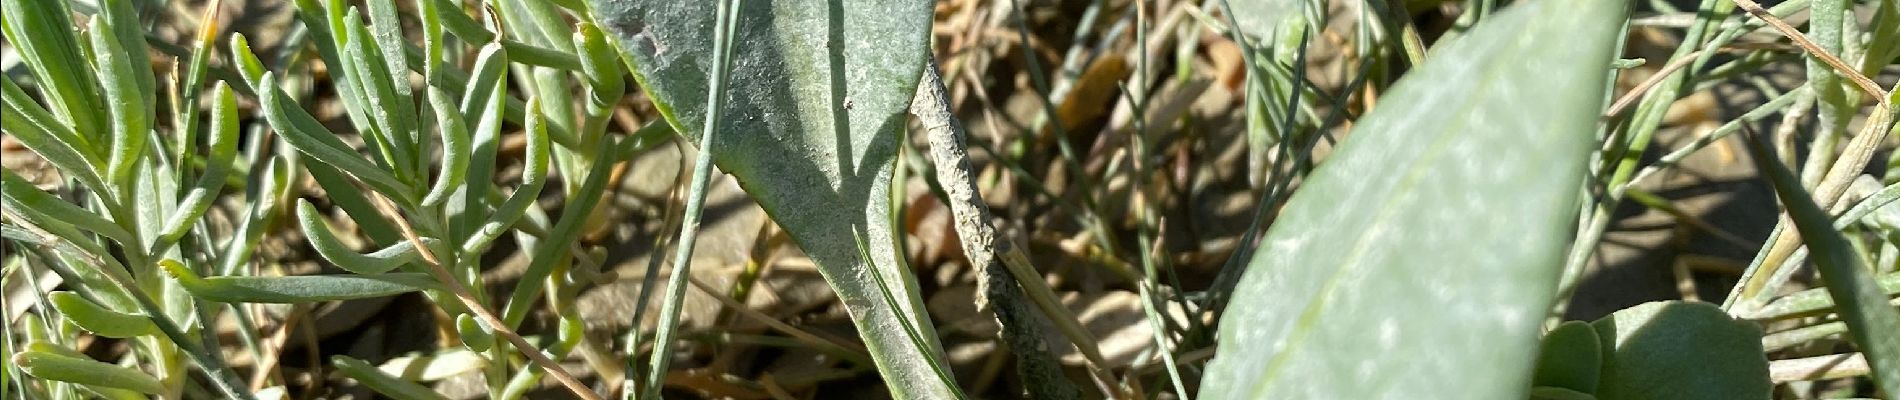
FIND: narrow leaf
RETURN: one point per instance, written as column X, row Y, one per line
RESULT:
column 124, row 101
column 98, row 319
column 296, row 289
column 224, row 119
column 54, row 212
column 455, row 148
column 53, row 140
column 325, row 241
column 303, row 132
column 1352, row 294
column 63, row 368
column 42, row 31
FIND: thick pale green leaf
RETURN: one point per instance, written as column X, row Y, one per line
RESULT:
column 1679, row 350
column 1858, row 298
column 1572, row 358
column 223, row 149
column 819, row 91
column 126, row 104
column 43, row 32
column 325, row 241
column 98, row 319
column 55, row 214
column 1354, row 293
column 455, row 147
column 65, row 368
column 36, row 128
column 303, row 132
column 477, row 336
column 296, row 289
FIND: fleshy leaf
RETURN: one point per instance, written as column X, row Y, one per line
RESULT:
column 1678, row 350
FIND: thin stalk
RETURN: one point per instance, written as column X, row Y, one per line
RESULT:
column 723, row 30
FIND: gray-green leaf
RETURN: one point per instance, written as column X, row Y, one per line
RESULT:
column 1355, row 292
column 819, row 91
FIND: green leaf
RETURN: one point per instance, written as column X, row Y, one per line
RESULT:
column 382, row 383
column 475, row 335
column 533, row 178
column 296, row 289
column 1572, row 358
column 98, row 319
column 482, row 104
column 303, row 132
column 124, row 101
column 42, row 31
column 247, row 63
column 325, row 241
column 1858, row 298
column 1680, row 350
column 223, row 150
column 55, row 214
column 53, row 140
column 818, row 96
column 65, row 368
column 1353, row 294
column 455, row 148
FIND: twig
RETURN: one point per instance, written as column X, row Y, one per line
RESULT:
column 475, row 306
column 1861, row 81
column 1040, row 371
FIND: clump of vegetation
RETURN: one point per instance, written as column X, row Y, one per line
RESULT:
column 1235, row 199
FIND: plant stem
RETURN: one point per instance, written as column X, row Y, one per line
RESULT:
column 723, row 30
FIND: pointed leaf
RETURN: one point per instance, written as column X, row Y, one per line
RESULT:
column 296, row 289
column 98, row 319
column 818, row 92
column 1353, row 294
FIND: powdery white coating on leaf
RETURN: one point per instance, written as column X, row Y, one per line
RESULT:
column 820, row 168
column 1418, row 260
